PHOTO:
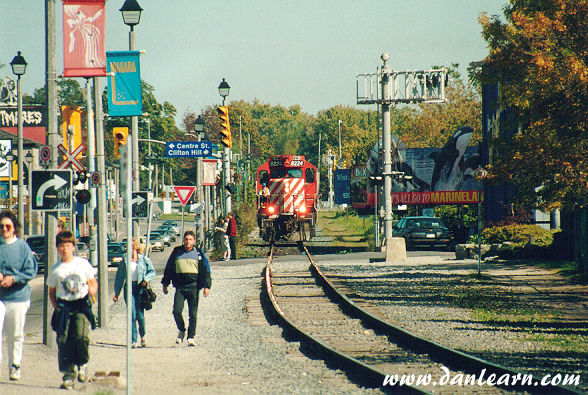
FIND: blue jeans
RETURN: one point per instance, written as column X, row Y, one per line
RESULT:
column 183, row 294
column 138, row 315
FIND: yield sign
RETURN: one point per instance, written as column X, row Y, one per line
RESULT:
column 71, row 158
column 184, row 193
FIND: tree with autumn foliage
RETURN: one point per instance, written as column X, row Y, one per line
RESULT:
column 539, row 56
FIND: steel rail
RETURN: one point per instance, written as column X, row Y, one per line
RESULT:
column 450, row 357
column 360, row 372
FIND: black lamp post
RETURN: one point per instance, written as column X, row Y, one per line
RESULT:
column 19, row 66
column 131, row 13
column 223, row 90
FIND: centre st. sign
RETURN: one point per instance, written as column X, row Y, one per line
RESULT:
column 187, row 149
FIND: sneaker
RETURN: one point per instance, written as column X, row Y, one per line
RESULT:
column 83, row 373
column 134, row 345
column 143, row 342
column 15, row 372
column 180, row 338
column 67, row 385
column 191, row 342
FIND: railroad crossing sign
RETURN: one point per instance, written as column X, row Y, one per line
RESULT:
column 184, row 193
column 71, row 157
column 51, row 190
column 139, row 204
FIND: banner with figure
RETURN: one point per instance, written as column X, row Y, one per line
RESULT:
column 84, row 53
column 124, row 84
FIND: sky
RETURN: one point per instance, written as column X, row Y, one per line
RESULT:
column 304, row 52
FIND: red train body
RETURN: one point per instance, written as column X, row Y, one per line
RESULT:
column 289, row 211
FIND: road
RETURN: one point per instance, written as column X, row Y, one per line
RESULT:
column 34, row 322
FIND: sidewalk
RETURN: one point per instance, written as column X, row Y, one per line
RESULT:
column 237, row 351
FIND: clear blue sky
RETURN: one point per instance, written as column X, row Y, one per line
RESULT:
column 305, row 52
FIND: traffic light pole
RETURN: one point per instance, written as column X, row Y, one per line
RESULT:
column 227, row 181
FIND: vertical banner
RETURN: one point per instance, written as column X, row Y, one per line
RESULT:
column 5, row 148
column 84, row 53
column 124, row 84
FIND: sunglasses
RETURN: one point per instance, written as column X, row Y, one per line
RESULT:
column 6, row 226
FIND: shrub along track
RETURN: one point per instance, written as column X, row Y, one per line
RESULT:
column 350, row 335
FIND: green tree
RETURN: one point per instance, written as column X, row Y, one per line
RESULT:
column 539, row 57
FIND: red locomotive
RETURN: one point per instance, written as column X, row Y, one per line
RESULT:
column 287, row 189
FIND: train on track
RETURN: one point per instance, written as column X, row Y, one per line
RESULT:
column 287, row 196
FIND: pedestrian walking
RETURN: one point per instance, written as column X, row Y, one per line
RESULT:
column 17, row 268
column 71, row 282
column 232, row 233
column 142, row 271
column 188, row 270
column 224, row 239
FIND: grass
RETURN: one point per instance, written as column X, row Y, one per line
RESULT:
column 346, row 230
column 177, row 217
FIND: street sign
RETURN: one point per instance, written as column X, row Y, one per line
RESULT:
column 342, row 186
column 140, row 204
column 45, row 156
column 480, row 173
column 184, row 193
column 188, row 149
column 71, row 157
column 95, row 179
column 51, row 190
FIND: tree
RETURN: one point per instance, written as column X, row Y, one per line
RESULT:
column 539, row 59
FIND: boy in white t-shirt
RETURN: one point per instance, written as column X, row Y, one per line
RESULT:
column 71, row 282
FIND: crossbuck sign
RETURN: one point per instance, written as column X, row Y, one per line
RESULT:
column 71, row 158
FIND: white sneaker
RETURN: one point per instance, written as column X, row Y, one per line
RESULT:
column 180, row 338
column 143, row 342
column 15, row 372
column 83, row 373
column 191, row 342
column 67, row 385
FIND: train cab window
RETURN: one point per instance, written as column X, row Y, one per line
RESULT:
column 309, row 176
column 286, row 173
column 295, row 173
column 263, row 177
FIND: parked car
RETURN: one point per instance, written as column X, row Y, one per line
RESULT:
column 116, row 254
column 164, row 236
column 423, row 232
column 142, row 240
column 38, row 245
column 156, row 241
column 82, row 250
column 168, row 230
column 173, row 224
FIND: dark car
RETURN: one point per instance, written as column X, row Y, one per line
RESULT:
column 38, row 245
column 116, row 254
column 168, row 230
column 172, row 224
column 428, row 232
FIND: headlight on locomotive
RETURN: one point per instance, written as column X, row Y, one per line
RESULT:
column 271, row 210
column 302, row 209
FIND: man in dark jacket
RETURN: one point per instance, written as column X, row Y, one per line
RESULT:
column 232, row 233
column 188, row 269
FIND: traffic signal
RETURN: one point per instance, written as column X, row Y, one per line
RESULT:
column 83, row 196
column 223, row 112
column 120, row 138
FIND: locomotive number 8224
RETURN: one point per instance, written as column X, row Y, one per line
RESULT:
column 287, row 188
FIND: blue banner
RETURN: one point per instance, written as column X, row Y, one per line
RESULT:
column 342, row 186
column 124, row 84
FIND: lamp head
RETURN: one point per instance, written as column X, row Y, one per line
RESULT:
column 131, row 12
column 18, row 64
column 224, row 88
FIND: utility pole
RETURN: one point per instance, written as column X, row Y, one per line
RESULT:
column 388, row 87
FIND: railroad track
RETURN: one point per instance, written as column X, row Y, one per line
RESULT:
column 349, row 335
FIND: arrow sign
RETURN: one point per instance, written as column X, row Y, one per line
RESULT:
column 138, row 200
column 187, row 149
column 184, row 193
column 51, row 190
column 56, row 183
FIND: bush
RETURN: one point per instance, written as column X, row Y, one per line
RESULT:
column 519, row 235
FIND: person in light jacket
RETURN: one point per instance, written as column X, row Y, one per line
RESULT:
column 142, row 271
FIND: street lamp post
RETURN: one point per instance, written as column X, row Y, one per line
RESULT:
column 199, row 130
column 340, row 121
column 29, row 159
column 9, row 158
column 131, row 13
column 223, row 90
column 19, row 66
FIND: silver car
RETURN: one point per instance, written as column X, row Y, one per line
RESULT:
column 156, row 242
column 82, row 250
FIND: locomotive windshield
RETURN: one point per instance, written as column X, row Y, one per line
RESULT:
column 286, row 173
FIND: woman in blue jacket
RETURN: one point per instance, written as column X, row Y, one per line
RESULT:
column 142, row 271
